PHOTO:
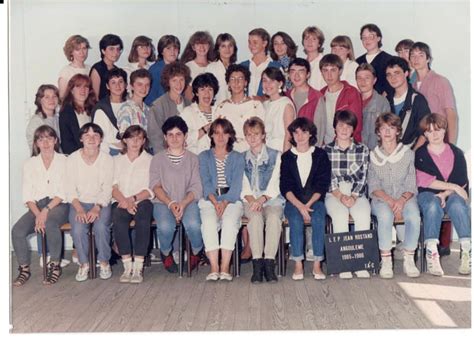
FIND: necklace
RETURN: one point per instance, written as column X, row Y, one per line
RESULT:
column 239, row 102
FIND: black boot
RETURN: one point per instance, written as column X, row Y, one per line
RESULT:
column 257, row 276
column 269, row 270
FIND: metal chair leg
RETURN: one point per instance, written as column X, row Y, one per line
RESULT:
column 180, row 248
column 281, row 253
column 236, row 257
column 188, row 252
column 44, row 255
column 92, row 256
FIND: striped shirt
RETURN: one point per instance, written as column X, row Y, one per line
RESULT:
column 221, row 180
column 175, row 159
column 208, row 115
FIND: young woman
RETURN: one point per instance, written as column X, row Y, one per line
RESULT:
column 111, row 47
column 304, row 181
column 313, row 40
column 75, row 111
column 263, row 205
column 174, row 79
column 225, row 51
column 341, row 45
column 106, row 110
column 392, row 186
column 200, row 114
column 44, row 177
column 89, row 190
column 443, row 185
column 141, row 54
column 349, row 163
column 221, row 171
column 76, row 50
column 239, row 107
column 175, row 179
column 283, row 50
column 279, row 110
column 132, row 202
column 46, row 101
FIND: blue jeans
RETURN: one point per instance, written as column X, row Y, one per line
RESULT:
column 166, row 226
column 457, row 209
column 101, row 229
column 296, row 223
column 384, row 214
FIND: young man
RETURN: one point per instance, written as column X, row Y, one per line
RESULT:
column 405, row 102
column 403, row 50
column 338, row 95
column 373, row 104
column 259, row 44
column 371, row 37
column 313, row 40
column 305, row 98
column 436, row 88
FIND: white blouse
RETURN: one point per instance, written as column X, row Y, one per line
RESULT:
column 218, row 70
column 195, row 69
column 316, row 79
column 195, row 120
column 132, row 177
column 274, row 124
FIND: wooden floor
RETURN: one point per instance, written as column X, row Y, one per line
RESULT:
column 164, row 302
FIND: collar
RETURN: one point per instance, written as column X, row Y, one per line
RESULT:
column 295, row 151
column 261, row 158
column 379, row 158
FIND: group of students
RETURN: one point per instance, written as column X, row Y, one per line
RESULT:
column 204, row 140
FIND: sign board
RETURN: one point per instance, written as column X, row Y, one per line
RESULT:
column 351, row 251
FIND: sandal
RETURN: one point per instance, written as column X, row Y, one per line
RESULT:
column 23, row 276
column 54, row 272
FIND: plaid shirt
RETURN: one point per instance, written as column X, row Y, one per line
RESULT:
column 348, row 165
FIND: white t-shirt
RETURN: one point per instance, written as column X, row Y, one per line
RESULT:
column 304, row 162
column 316, row 79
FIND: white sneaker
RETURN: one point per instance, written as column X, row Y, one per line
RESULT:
column 225, row 276
column 105, row 272
column 434, row 266
column 386, row 271
column 409, row 267
column 137, row 272
column 362, row 274
column 82, row 273
column 127, row 271
column 345, row 275
column 465, row 267
column 64, row 263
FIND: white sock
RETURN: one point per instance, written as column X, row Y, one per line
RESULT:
column 465, row 245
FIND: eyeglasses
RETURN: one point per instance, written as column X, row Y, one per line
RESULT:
column 369, row 37
column 236, row 79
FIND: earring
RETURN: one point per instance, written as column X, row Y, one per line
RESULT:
column 263, row 92
column 280, row 90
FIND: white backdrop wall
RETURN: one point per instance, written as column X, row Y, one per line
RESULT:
column 39, row 28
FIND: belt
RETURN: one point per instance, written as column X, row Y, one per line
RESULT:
column 222, row 190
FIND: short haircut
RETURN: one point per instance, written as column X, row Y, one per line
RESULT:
column 174, row 69
column 303, row 124
column 165, row 41
column 313, row 30
column 302, row 63
column 263, row 34
column 141, row 41
column 198, row 37
column 331, row 60
column 404, row 44
column 174, row 122
column 346, row 117
column 43, row 130
column 437, row 120
column 114, row 73
column 368, row 67
column 423, row 47
column 374, row 29
column 133, row 131
column 109, row 40
column 237, row 68
column 291, row 46
column 75, row 81
column 139, row 73
column 72, row 43
column 254, row 123
column 398, row 61
column 227, row 127
column 390, row 119
column 221, row 38
column 40, row 94
column 344, row 41
column 275, row 74
column 91, row 126
column 203, row 81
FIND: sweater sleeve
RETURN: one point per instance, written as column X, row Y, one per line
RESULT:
column 155, row 177
column 287, row 183
column 195, row 185
column 409, row 184
column 374, row 182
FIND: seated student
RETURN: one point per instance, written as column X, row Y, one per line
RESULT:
column 283, row 50
column 263, row 205
column 339, row 95
column 349, row 163
column 105, row 112
column 174, row 79
column 259, row 45
column 221, row 171
column 134, row 111
column 132, row 201
column 312, row 41
column 405, row 102
column 341, row 45
column 111, row 47
column 89, row 190
column 443, row 185
column 44, row 177
column 76, row 50
column 392, row 186
column 373, row 104
column 307, row 100
column 304, row 181
column 371, row 37
column 403, row 50
column 168, row 51
column 436, row 88
column 175, row 179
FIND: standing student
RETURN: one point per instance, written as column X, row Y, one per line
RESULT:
column 313, row 41
column 141, row 55
column 341, row 45
column 283, row 50
column 403, row 50
column 111, row 47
